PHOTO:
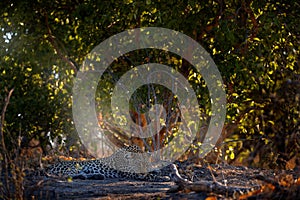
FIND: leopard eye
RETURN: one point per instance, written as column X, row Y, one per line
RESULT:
column 128, row 156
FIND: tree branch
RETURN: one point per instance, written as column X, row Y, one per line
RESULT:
column 7, row 99
column 51, row 39
column 3, row 146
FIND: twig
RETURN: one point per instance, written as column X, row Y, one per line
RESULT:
column 4, row 150
column 210, row 187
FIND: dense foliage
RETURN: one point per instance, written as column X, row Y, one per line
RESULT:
column 255, row 45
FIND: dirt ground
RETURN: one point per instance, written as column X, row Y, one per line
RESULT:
column 205, row 182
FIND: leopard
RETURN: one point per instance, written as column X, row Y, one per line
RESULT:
column 125, row 163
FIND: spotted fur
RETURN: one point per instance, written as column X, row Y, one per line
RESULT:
column 124, row 163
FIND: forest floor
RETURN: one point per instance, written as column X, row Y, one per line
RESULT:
column 206, row 182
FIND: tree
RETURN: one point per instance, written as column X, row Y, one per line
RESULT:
column 254, row 44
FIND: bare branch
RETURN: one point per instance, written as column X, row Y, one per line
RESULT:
column 3, row 146
column 51, row 39
column 7, row 99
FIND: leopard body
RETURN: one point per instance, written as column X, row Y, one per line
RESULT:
column 127, row 162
